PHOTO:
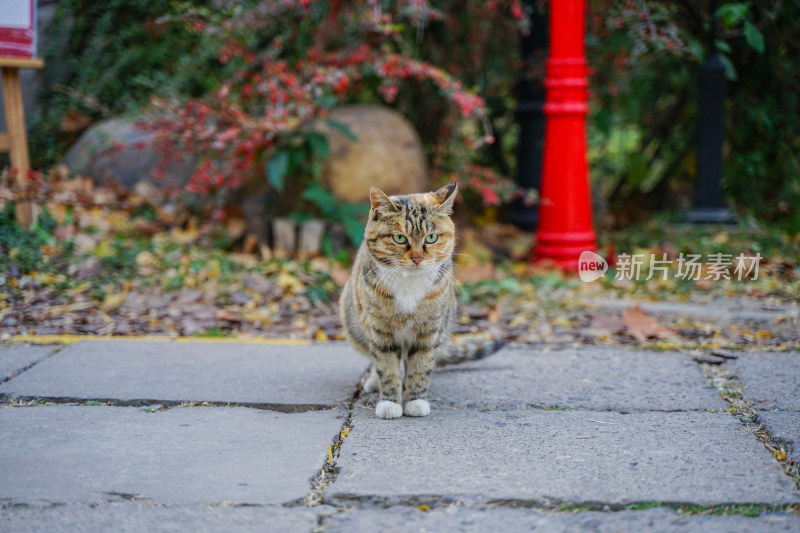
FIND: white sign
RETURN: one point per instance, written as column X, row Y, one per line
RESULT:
column 18, row 28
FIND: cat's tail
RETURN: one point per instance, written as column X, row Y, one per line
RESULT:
column 453, row 354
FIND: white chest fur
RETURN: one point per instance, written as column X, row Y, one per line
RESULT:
column 409, row 288
column 404, row 337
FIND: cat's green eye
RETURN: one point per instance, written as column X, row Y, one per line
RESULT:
column 432, row 238
column 400, row 239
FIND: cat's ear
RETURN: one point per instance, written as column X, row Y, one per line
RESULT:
column 446, row 196
column 378, row 198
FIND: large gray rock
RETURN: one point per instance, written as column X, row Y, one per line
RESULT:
column 590, row 376
column 387, row 155
column 92, row 155
column 146, row 372
column 183, row 455
column 133, row 517
column 770, row 380
column 551, row 457
column 480, row 520
column 15, row 358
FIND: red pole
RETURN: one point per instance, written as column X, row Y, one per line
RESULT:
column 565, row 210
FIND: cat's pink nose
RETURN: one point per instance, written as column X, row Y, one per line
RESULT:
column 417, row 259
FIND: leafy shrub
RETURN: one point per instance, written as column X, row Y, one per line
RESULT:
column 108, row 58
column 294, row 60
column 647, row 56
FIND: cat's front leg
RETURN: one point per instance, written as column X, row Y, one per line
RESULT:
column 418, row 372
column 387, row 366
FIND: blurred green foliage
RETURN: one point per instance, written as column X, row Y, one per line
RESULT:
column 643, row 124
column 19, row 246
column 109, row 58
column 301, row 157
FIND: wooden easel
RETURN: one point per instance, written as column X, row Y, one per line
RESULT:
column 15, row 140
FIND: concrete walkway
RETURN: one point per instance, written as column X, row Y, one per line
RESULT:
column 132, row 436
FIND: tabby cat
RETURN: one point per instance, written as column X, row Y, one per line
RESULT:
column 400, row 301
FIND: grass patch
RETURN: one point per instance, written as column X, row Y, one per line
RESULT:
column 748, row 510
column 91, row 403
column 213, row 333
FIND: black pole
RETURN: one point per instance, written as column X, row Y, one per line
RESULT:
column 530, row 116
column 709, row 206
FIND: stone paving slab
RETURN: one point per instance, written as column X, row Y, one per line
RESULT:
column 131, row 517
column 589, row 377
column 17, row 357
column 64, row 454
column 721, row 309
column 550, row 457
column 480, row 520
column 771, row 380
column 129, row 371
column 784, row 426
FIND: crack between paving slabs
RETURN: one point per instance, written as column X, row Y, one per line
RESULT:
column 56, row 349
column 152, row 405
column 555, row 505
column 544, row 407
column 329, row 471
column 731, row 391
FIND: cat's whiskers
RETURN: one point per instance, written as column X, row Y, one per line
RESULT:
column 386, row 276
column 450, row 273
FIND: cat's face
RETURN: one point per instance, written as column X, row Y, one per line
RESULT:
column 413, row 232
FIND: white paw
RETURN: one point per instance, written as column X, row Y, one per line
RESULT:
column 387, row 409
column 418, row 408
column 372, row 384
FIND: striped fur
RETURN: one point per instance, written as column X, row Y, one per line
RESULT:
column 399, row 304
column 453, row 354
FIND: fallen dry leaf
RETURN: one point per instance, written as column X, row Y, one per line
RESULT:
column 145, row 259
column 74, row 121
column 244, row 260
column 250, row 244
column 475, row 273
column 612, row 323
column 642, row 326
column 228, row 316
column 289, row 282
column 780, row 454
column 494, row 314
column 235, row 227
column 339, row 274
column 113, row 301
